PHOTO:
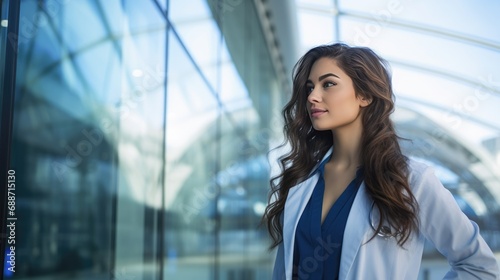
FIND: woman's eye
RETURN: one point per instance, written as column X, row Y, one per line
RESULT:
column 328, row 84
column 309, row 89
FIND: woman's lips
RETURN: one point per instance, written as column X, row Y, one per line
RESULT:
column 315, row 113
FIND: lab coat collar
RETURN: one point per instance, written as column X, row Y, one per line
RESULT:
column 357, row 225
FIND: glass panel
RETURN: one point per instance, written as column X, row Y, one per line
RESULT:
column 247, row 129
column 317, row 29
column 190, row 193
column 217, row 173
column 195, row 26
column 88, row 139
column 438, row 16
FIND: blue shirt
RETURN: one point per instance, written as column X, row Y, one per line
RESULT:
column 318, row 246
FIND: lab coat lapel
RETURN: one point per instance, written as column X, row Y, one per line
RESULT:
column 356, row 229
column 296, row 202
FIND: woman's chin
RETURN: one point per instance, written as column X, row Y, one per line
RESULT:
column 321, row 127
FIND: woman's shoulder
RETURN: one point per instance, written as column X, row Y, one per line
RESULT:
column 416, row 168
column 421, row 175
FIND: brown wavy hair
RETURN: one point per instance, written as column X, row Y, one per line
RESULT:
column 385, row 168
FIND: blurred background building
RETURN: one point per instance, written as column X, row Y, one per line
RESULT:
column 141, row 129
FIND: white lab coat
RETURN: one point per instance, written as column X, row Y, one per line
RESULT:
column 441, row 222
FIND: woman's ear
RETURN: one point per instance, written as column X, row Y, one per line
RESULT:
column 364, row 101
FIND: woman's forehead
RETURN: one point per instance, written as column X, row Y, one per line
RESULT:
column 323, row 66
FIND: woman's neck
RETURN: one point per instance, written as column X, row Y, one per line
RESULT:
column 347, row 145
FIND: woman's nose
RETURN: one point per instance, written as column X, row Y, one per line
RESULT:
column 314, row 96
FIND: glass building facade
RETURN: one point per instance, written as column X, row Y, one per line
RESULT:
column 139, row 131
column 139, row 139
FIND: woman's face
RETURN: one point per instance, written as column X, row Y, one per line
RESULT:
column 332, row 102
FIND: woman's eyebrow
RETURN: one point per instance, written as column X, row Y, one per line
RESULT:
column 327, row 75
column 322, row 77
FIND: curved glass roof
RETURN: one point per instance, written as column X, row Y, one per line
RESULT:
column 444, row 59
column 445, row 63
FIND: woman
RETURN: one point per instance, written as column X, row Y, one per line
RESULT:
column 348, row 204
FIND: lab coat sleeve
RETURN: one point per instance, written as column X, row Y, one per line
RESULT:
column 455, row 236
